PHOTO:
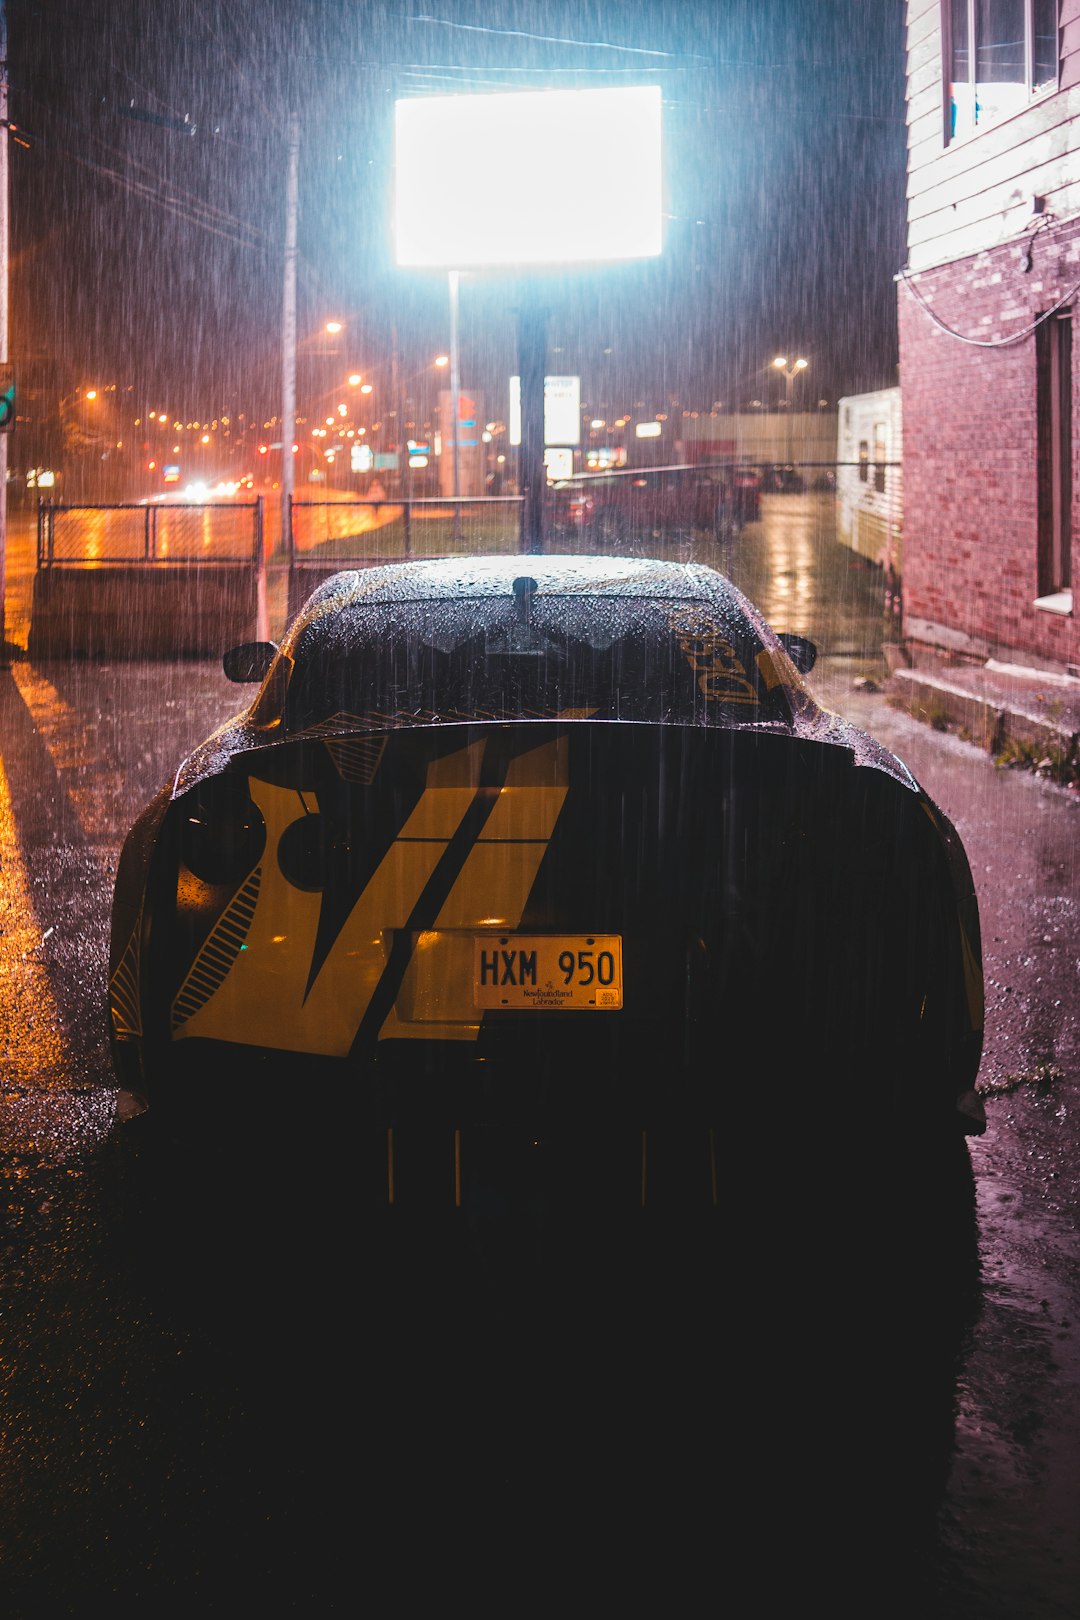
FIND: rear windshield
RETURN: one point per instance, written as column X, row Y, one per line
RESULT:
column 667, row 661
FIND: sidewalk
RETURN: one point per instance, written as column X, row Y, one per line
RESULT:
column 1020, row 715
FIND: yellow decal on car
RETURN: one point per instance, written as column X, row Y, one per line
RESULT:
column 771, row 672
column 721, row 674
column 125, row 1005
column 264, row 997
column 490, row 891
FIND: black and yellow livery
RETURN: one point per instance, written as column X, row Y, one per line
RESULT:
column 570, row 850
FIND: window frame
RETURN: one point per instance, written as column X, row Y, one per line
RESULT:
column 1054, row 457
column 951, row 138
column 880, row 456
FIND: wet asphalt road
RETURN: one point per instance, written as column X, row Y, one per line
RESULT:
column 216, row 1395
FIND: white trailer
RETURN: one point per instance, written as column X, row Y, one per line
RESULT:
column 869, row 482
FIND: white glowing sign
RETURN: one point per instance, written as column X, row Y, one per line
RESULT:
column 473, row 187
column 562, row 410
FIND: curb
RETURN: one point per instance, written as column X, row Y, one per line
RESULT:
column 993, row 720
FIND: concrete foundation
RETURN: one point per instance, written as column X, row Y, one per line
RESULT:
column 164, row 611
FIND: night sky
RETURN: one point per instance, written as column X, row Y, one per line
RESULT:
column 148, row 207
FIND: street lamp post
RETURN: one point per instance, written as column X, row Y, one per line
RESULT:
column 455, row 402
column 790, row 373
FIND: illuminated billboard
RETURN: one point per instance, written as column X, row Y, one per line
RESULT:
column 473, row 178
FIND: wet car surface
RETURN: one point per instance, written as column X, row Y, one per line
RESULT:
column 517, row 867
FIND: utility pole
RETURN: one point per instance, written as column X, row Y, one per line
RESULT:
column 4, row 144
column 789, row 374
column 288, row 331
column 399, row 409
column 532, row 360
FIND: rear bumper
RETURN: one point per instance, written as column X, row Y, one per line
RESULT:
column 622, row 1077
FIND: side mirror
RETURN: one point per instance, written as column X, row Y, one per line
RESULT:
column 800, row 649
column 249, row 661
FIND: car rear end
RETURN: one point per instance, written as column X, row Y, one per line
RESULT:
column 549, row 968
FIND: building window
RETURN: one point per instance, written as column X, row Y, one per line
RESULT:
column 1053, row 389
column 879, row 457
column 864, row 461
column 998, row 55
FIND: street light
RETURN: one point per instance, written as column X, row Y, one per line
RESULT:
column 790, row 373
column 355, row 390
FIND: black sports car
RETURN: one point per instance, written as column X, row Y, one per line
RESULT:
column 546, row 861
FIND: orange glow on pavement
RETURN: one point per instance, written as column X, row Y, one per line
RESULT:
column 33, row 1041
column 93, row 791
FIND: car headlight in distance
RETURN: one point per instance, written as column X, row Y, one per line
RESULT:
column 222, row 832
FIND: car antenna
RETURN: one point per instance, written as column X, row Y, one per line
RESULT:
column 523, row 588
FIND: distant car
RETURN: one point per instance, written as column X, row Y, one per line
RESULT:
column 742, row 486
column 778, row 480
column 545, row 874
column 638, row 510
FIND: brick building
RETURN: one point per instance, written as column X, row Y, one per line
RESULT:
column 986, row 301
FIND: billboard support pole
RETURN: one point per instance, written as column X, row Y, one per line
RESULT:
column 455, row 404
column 532, row 347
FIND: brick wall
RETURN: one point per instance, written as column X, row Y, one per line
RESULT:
column 969, row 414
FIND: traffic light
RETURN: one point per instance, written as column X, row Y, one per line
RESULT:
column 7, row 397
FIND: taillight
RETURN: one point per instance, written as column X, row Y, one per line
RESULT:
column 222, row 832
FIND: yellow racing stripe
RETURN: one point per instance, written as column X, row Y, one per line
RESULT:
column 263, row 999
column 256, row 992
column 491, row 891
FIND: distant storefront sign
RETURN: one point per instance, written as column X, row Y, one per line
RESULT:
column 559, row 463
column 562, row 410
column 7, row 397
column 470, row 451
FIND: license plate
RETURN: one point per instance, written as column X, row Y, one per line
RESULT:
column 548, row 972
